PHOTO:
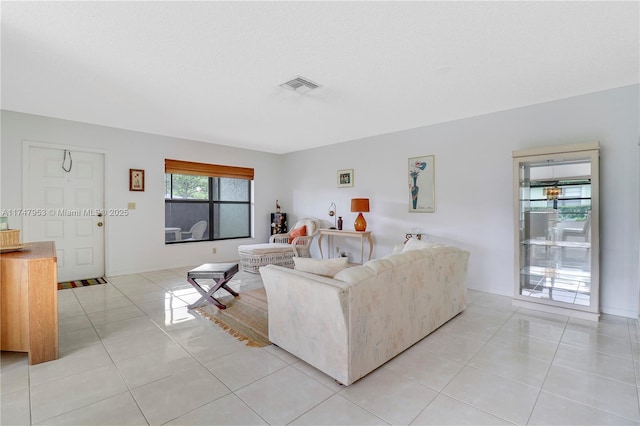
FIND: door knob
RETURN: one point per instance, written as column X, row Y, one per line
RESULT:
column 100, row 223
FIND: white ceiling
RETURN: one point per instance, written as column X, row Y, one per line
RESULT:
column 210, row 71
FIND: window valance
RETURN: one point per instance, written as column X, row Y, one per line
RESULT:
column 204, row 169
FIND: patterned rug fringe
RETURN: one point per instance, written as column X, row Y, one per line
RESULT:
column 81, row 283
column 236, row 334
column 246, row 317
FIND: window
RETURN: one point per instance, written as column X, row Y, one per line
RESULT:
column 206, row 202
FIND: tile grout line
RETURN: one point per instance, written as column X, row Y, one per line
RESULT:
column 535, row 403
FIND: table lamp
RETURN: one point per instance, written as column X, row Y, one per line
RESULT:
column 360, row 205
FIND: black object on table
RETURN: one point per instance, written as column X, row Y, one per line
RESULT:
column 220, row 273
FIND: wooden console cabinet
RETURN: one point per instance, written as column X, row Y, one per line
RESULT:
column 29, row 302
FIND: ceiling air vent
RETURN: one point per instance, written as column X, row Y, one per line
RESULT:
column 300, row 85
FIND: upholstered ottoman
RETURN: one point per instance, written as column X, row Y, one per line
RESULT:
column 253, row 256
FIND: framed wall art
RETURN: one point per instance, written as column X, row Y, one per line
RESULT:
column 136, row 180
column 345, row 178
column 422, row 188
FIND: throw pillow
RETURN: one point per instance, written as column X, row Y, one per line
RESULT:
column 324, row 267
column 297, row 232
column 416, row 244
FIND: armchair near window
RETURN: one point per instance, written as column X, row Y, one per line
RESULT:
column 299, row 237
column 281, row 248
column 196, row 232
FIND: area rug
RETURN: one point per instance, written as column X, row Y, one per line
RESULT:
column 81, row 283
column 245, row 317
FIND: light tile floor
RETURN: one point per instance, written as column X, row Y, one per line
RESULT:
column 132, row 354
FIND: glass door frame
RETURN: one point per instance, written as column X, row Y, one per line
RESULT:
column 589, row 152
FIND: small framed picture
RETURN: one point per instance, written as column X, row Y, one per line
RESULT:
column 345, row 178
column 136, row 180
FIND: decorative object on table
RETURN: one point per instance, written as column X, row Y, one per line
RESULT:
column 360, row 205
column 345, row 178
column 277, row 207
column 136, row 180
column 4, row 223
column 245, row 317
column 332, row 213
column 9, row 237
column 340, row 223
column 10, row 241
column 278, row 223
column 422, row 184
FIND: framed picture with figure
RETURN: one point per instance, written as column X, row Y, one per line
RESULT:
column 136, row 180
column 422, row 187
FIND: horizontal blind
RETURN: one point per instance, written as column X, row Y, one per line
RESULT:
column 203, row 169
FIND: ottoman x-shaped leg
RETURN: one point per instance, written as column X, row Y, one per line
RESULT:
column 207, row 296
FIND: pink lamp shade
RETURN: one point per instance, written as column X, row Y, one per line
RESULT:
column 360, row 205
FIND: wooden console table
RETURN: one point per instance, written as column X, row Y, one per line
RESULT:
column 349, row 234
column 29, row 302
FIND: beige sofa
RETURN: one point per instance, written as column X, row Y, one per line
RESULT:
column 349, row 325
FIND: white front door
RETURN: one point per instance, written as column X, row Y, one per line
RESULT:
column 66, row 195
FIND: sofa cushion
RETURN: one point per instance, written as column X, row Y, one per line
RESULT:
column 264, row 248
column 297, row 232
column 379, row 265
column 397, row 249
column 415, row 244
column 324, row 267
column 399, row 260
column 355, row 274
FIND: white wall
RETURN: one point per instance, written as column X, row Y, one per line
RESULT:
column 473, row 164
column 136, row 243
column 473, row 186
